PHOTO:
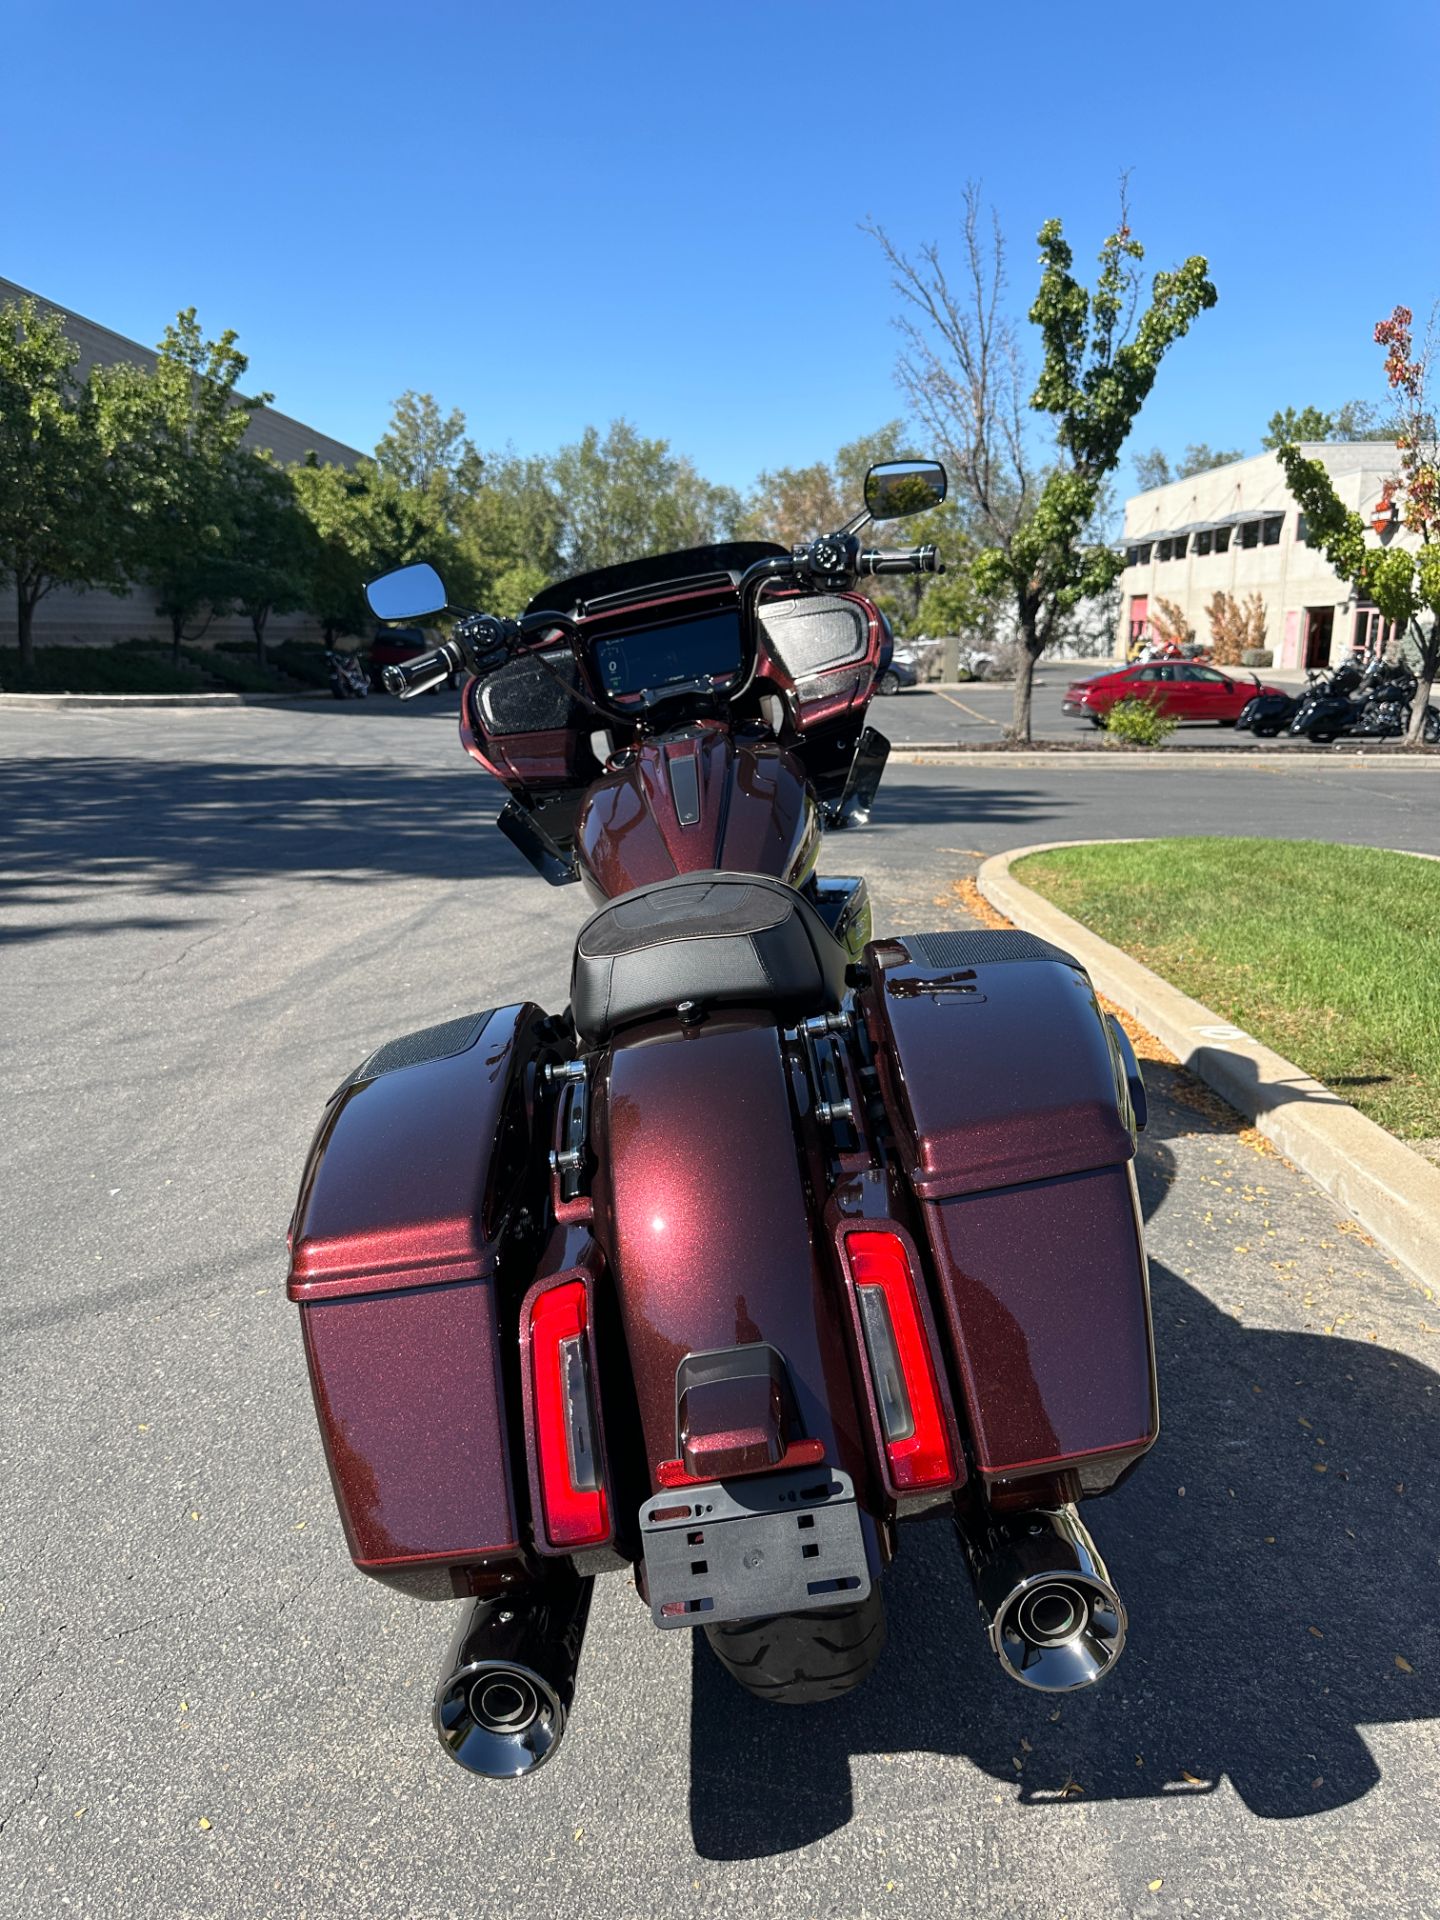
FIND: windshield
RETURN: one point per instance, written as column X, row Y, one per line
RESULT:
column 703, row 649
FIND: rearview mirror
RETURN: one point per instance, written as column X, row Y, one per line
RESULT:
column 897, row 488
column 407, row 594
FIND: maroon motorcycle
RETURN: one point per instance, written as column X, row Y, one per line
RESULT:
column 776, row 1237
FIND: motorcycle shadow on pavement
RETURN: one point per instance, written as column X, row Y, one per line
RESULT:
column 1275, row 1586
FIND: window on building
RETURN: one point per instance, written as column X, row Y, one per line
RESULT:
column 1250, row 534
column 1145, row 552
column 1178, row 546
column 1302, row 532
column 1204, row 541
column 1271, row 534
column 1222, row 539
column 1132, row 556
column 1164, row 553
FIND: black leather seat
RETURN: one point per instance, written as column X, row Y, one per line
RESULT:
column 736, row 939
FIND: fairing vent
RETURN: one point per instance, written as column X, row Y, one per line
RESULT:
column 945, row 950
column 414, row 1049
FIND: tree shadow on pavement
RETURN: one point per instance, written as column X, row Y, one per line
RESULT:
column 92, row 827
column 1270, row 1607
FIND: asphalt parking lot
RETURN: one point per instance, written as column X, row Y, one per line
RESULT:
column 978, row 712
column 205, row 920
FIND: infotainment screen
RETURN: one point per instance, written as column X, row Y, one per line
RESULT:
column 703, row 649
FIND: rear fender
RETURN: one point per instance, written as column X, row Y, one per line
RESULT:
column 700, row 1203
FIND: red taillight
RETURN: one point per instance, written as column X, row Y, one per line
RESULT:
column 902, row 1367
column 572, row 1488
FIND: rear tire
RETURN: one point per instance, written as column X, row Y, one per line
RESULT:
column 1097, row 720
column 800, row 1659
column 1266, row 729
column 888, row 682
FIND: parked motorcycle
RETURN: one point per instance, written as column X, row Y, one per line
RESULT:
column 348, row 680
column 1373, row 704
column 777, row 1236
column 1271, row 711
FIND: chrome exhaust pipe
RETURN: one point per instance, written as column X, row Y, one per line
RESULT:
column 509, row 1682
column 1051, row 1615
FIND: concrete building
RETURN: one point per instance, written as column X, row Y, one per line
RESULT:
column 65, row 617
column 1237, row 530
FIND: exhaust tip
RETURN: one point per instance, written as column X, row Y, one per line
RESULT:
column 1050, row 1612
column 1057, row 1635
column 498, row 1720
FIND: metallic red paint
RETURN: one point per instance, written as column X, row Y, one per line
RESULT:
column 757, row 814
column 1004, row 1093
column 410, row 1187
column 1045, row 1289
column 701, row 1205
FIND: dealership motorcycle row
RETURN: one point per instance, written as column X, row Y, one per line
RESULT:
column 779, row 1237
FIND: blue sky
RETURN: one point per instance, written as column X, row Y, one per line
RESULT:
column 555, row 214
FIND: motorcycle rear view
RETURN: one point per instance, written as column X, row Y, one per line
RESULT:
column 776, row 1237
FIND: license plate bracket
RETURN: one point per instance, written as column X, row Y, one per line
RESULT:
column 777, row 1543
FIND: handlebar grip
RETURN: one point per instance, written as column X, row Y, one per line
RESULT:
column 418, row 676
column 924, row 559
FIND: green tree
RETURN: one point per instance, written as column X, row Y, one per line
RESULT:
column 1288, row 427
column 623, row 496
column 425, row 450
column 1153, row 469
column 1355, row 420
column 58, row 522
column 174, row 433
column 1403, row 582
column 335, row 578
column 272, row 562
column 793, row 504
column 509, row 530
column 365, row 522
column 963, row 371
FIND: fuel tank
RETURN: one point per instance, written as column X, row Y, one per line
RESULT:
column 697, row 799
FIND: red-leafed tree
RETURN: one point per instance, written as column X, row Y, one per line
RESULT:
column 1403, row 581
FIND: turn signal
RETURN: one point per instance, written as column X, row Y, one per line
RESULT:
column 902, row 1366
column 572, row 1488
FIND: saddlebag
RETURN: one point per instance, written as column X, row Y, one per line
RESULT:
column 419, row 1168
column 1009, row 1093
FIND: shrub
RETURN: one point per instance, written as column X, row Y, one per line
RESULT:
column 1235, row 626
column 303, row 660
column 1139, row 723
column 228, row 672
column 94, row 670
column 1169, row 624
column 1257, row 657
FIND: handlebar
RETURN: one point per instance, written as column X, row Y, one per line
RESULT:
column 410, row 677
column 924, row 559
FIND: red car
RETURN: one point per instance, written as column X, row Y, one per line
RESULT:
column 1179, row 687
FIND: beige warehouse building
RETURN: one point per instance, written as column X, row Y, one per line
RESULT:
column 1237, row 530
column 65, row 617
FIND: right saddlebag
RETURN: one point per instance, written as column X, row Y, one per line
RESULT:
column 1013, row 1098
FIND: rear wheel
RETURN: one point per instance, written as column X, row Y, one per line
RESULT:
column 1267, row 729
column 1097, row 719
column 800, row 1659
column 888, row 682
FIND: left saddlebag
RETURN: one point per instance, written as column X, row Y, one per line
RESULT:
column 410, row 1208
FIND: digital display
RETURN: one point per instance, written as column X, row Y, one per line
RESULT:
column 703, row 649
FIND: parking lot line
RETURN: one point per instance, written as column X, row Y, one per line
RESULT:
column 964, row 709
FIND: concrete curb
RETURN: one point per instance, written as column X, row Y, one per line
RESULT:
column 920, row 753
column 81, row 702
column 1390, row 1190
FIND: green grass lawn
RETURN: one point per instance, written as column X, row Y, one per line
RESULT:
column 1331, row 955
